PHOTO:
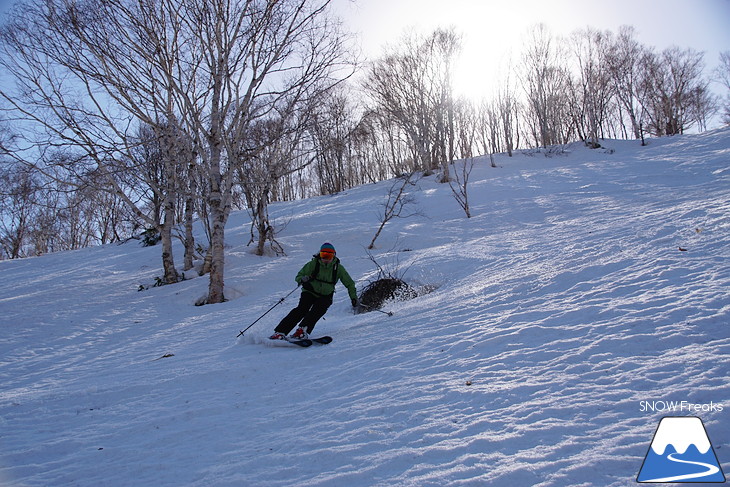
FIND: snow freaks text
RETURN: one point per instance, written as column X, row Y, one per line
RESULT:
column 678, row 407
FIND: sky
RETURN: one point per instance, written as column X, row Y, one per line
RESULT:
column 493, row 30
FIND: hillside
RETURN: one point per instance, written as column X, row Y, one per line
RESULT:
column 586, row 287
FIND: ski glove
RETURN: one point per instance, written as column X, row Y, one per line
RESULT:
column 305, row 279
column 355, row 303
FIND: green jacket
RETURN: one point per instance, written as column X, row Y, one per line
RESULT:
column 323, row 284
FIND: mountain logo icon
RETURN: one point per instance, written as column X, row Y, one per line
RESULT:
column 680, row 452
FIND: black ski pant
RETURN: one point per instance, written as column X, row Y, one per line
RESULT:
column 310, row 309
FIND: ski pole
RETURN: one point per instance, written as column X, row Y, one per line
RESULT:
column 267, row 312
column 389, row 313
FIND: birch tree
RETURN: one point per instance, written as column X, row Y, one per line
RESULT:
column 593, row 93
column 412, row 86
column 545, row 82
column 87, row 80
column 624, row 64
column 198, row 74
column 256, row 58
column 722, row 73
column 676, row 94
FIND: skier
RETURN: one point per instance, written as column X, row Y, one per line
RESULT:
column 317, row 278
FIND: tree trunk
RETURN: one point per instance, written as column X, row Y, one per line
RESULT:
column 217, row 247
column 168, row 261
column 189, row 238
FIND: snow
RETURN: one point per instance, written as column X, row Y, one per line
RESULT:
column 559, row 307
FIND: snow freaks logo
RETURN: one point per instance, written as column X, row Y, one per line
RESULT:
column 680, row 452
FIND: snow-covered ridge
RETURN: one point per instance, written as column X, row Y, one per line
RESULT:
column 560, row 306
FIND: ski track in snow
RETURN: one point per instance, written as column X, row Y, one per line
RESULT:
column 564, row 301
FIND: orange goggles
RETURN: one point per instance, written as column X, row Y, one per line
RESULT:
column 326, row 254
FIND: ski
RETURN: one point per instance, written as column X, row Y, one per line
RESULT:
column 294, row 341
column 321, row 340
column 301, row 342
column 306, row 342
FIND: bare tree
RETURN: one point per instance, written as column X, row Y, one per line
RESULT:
column 593, row 92
column 272, row 150
column 465, row 129
column 258, row 58
column 332, row 123
column 19, row 190
column 676, row 95
column 460, row 188
column 397, row 202
column 623, row 59
column 722, row 74
column 161, row 154
column 87, row 81
column 196, row 72
column 489, row 127
column 544, row 79
column 412, row 86
column 508, row 110
column 446, row 46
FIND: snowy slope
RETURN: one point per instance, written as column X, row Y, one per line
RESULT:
column 564, row 302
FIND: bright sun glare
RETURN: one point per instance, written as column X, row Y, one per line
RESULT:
column 491, row 38
column 491, row 33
